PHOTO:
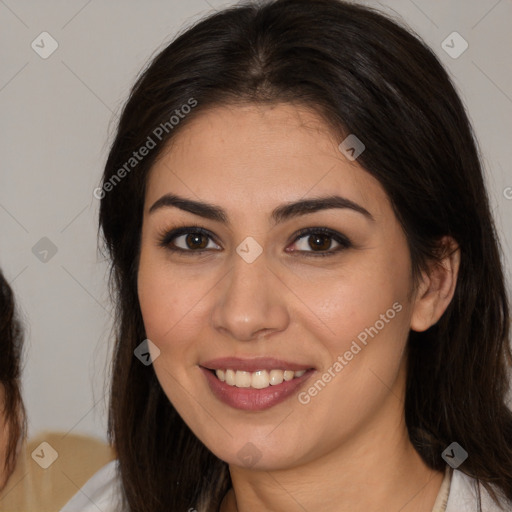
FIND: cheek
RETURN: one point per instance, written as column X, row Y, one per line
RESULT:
column 359, row 301
column 172, row 302
column 361, row 363
column 368, row 315
column 154, row 298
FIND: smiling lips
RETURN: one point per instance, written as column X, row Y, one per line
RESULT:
column 254, row 384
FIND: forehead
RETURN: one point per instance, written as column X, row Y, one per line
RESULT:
column 258, row 156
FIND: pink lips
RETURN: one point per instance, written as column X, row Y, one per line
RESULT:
column 251, row 399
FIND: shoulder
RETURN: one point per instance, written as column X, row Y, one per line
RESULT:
column 463, row 496
column 100, row 492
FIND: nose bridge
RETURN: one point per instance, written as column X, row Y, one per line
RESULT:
column 249, row 303
column 249, row 277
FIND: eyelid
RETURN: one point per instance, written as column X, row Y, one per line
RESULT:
column 167, row 236
column 343, row 241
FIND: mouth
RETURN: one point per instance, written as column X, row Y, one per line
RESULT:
column 259, row 379
column 254, row 384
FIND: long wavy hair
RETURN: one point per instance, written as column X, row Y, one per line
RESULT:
column 366, row 74
column 11, row 344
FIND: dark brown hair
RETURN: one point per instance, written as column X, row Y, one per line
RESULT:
column 11, row 343
column 364, row 74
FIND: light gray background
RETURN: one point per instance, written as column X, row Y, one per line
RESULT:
column 57, row 119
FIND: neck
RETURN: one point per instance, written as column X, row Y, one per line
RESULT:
column 377, row 470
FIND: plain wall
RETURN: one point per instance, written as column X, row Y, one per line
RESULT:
column 57, row 119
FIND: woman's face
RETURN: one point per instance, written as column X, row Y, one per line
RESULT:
column 334, row 303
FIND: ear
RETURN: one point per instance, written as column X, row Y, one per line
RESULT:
column 437, row 286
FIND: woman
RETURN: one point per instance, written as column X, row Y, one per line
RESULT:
column 302, row 246
column 12, row 419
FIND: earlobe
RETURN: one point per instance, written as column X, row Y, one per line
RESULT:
column 437, row 287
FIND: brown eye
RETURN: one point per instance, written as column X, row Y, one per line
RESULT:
column 196, row 241
column 188, row 239
column 319, row 242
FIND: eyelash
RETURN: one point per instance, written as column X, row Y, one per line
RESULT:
column 167, row 237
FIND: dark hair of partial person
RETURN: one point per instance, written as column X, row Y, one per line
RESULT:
column 11, row 342
column 364, row 73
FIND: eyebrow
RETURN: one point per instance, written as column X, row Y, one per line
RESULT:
column 280, row 214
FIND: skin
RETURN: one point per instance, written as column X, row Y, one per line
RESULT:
column 4, row 441
column 351, row 438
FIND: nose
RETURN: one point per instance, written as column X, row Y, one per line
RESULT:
column 251, row 301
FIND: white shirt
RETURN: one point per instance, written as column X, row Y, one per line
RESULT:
column 102, row 492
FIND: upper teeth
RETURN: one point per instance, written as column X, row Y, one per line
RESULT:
column 259, row 379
